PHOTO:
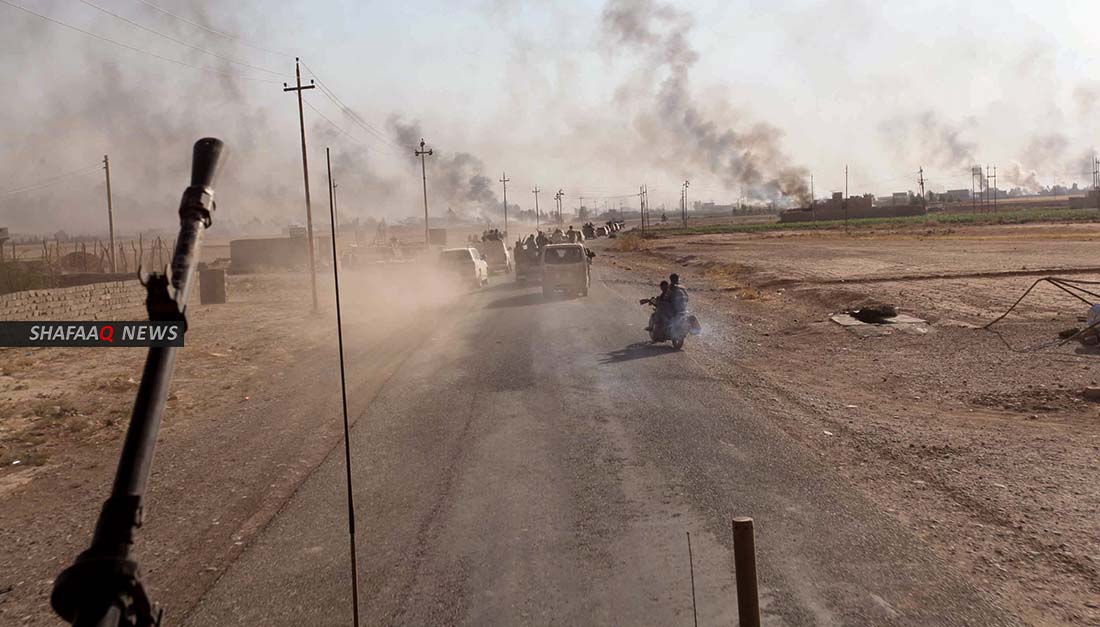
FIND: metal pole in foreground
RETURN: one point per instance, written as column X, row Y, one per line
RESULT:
column 305, row 177
column 103, row 586
column 423, row 154
column 691, row 569
column 744, row 560
column 344, row 397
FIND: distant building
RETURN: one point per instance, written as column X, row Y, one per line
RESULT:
column 957, row 195
column 855, row 207
column 1091, row 200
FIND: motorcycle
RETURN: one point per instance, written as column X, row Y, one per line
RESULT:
column 675, row 329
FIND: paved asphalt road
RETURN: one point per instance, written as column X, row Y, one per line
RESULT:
column 538, row 463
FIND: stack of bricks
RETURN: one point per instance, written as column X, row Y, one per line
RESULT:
column 118, row 300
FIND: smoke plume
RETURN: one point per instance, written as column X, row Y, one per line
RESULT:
column 457, row 178
column 673, row 124
column 1041, row 151
column 928, row 139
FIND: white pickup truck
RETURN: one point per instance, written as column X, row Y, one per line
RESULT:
column 466, row 265
column 497, row 255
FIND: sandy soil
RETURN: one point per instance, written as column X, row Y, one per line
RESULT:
column 248, row 418
column 982, row 444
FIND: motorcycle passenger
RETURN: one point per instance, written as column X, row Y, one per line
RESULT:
column 678, row 296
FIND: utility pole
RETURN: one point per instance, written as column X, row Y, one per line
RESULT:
column 536, row 193
column 110, row 213
column 424, row 154
column 813, row 214
column 985, row 193
column 504, row 180
column 994, row 189
column 558, row 197
column 305, row 175
column 923, row 198
column 845, row 197
column 641, row 206
column 684, row 201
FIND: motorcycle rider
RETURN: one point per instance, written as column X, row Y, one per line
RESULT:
column 663, row 307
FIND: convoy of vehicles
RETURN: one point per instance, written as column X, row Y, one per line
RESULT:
column 528, row 265
column 565, row 268
column 466, row 265
column 497, row 254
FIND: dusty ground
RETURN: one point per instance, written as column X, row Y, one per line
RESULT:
column 987, row 451
column 253, row 409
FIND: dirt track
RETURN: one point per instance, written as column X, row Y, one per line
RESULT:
column 990, row 453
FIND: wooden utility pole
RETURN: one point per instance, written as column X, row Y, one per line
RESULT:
column 558, row 197
column 923, row 197
column 305, row 176
column 994, row 189
column 536, row 193
column 424, row 154
column 813, row 214
column 504, row 180
column 110, row 212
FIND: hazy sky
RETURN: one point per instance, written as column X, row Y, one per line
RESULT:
column 552, row 92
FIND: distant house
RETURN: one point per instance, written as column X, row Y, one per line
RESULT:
column 957, row 195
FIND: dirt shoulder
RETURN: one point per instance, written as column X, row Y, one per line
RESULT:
column 253, row 410
column 986, row 450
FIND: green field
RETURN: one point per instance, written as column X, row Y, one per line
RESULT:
column 931, row 220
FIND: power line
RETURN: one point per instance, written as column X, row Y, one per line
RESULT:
column 50, row 181
column 595, row 197
column 335, row 125
column 355, row 117
column 214, row 31
column 346, row 133
column 180, row 41
column 135, row 49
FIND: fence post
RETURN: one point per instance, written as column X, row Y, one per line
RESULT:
column 744, row 562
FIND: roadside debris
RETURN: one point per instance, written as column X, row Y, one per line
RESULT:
column 876, row 319
column 874, row 313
